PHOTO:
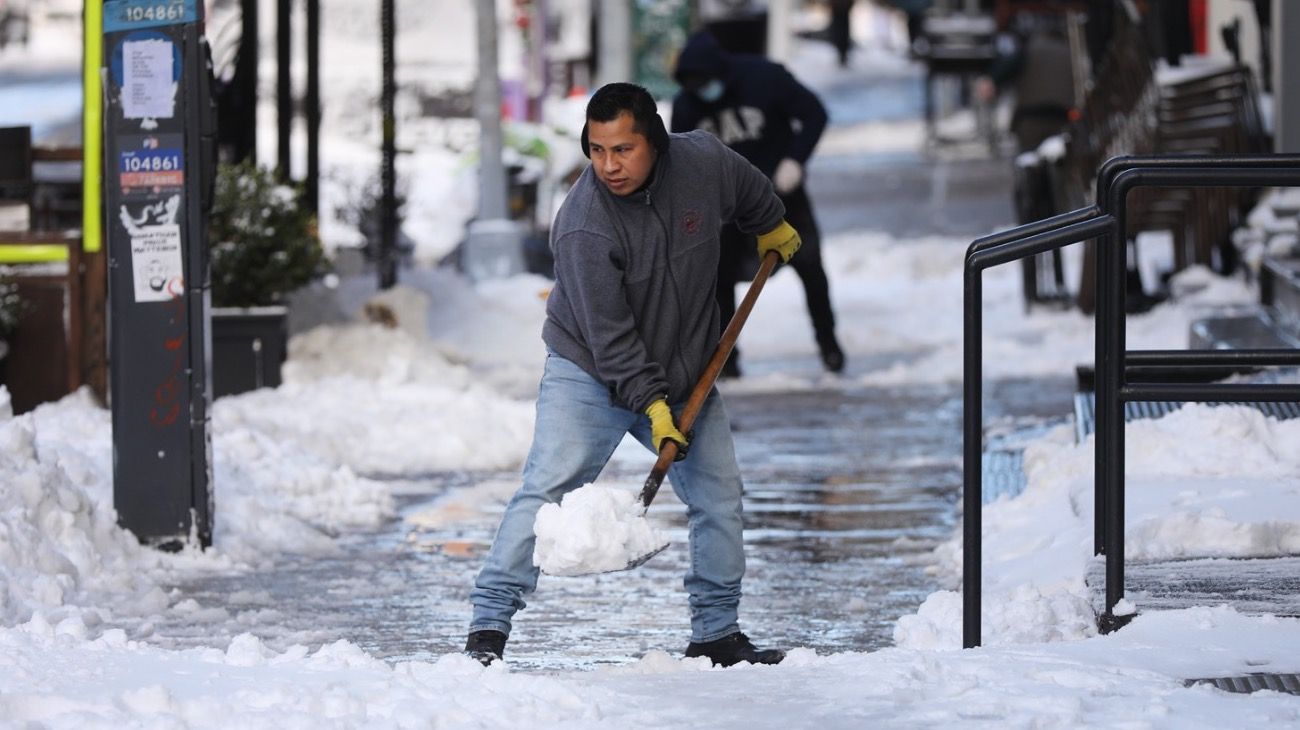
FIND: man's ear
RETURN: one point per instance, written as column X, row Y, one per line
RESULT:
column 658, row 134
column 586, row 146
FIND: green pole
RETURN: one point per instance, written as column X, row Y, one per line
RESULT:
column 92, row 125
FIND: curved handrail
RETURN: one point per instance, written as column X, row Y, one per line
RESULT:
column 993, row 250
column 1031, row 229
column 1115, row 179
column 1115, row 165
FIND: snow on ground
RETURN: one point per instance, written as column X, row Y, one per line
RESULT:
column 65, row 677
column 363, row 398
column 1201, row 482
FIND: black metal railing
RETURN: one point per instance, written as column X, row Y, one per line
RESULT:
column 1151, row 371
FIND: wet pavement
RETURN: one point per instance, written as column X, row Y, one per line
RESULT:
column 848, row 489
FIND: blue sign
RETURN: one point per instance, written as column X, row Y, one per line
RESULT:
column 150, row 163
column 133, row 14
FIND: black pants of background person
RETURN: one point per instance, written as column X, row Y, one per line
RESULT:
column 738, row 261
column 839, row 31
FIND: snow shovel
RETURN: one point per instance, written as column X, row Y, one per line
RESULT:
column 701, row 391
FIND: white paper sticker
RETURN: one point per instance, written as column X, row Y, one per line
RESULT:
column 147, row 87
column 156, row 263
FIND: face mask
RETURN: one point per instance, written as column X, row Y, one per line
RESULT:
column 711, row 91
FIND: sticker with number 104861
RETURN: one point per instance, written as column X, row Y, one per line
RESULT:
column 161, row 11
column 161, row 161
column 127, row 14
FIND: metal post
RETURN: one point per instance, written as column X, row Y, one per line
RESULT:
column 311, row 100
column 1109, row 445
column 244, row 137
column 1102, row 413
column 283, row 87
column 1286, row 76
column 494, row 246
column 972, row 460
column 615, row 53
column 778, row 30
column 487, row 110
column 92, row 128
column 388, row 152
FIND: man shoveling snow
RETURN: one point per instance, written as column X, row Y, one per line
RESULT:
column 630, row 328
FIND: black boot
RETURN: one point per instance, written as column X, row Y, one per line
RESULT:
column 733, row 649
column 832, row 355
column 486, row 646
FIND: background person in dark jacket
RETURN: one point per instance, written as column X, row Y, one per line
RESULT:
column 630, row 326
column 757, row 108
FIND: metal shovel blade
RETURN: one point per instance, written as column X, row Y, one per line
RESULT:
column 633, row 563
column 641, row 559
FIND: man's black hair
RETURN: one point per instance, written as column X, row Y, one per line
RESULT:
column 611, row 100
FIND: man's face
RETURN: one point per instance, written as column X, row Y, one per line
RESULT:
column 621, row 157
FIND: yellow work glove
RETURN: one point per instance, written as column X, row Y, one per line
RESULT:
column 783, row 239
column 662, row 428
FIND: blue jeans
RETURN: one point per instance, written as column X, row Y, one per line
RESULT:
column 578, row 427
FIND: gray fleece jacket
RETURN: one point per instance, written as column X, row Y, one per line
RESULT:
column 633, row 302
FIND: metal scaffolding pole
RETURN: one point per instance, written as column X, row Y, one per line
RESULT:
column 283, row 86
column 388, row 153
column 311, row 102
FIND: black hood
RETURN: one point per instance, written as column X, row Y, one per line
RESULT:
column 702, row 57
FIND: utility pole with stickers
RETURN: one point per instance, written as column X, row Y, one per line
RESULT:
column 159, row 153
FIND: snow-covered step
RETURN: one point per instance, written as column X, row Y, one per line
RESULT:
column 1279, row 284
column 1248, row 585
column 1085, row 411
column 1245, row 684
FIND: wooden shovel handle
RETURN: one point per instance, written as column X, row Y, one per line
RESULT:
column 705, row 384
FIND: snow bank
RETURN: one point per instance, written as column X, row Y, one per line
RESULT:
column 593, row 529
column 1201, row 482
column 286, row 463
column 382, row 400
column 61, row 547
column 59, row 541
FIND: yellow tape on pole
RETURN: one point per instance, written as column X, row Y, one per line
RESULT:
column 92, row 126
column 33, row 253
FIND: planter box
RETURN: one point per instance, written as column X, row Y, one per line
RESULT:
column 248, row 347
